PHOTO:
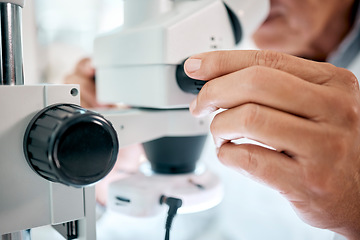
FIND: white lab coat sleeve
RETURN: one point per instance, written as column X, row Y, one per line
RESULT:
column 338, row 237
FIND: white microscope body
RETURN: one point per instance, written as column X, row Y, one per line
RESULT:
column 26, row 199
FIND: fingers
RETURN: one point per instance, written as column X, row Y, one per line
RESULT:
column 85, row 68
column 266, row 166
column 264, row 86
column 307, row 111
column 285, row 132
column 210, row 65
column 83, row 75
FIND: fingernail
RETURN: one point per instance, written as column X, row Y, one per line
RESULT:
column 192, row 65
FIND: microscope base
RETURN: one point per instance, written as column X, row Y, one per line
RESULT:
column 139, row 195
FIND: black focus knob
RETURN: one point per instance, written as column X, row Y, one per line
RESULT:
column 186, row 83
column 71, row 145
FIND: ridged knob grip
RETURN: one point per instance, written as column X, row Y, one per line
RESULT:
column 71, row 145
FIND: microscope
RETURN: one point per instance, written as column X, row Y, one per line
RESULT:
column 141, row 65
column 52, row 151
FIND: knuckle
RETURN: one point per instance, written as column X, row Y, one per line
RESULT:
column 255, row 75
column 247, row 161
column 343, row 75
column 332, row 71
column 350, row 78
column 328, row 67
column 344, row 110
column 269, row 58
column 352, row 113
column 207, row 93
column 348, row 110
column 325, row 72
column 250, row 115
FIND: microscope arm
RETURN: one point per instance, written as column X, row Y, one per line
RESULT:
column 172, row 139
column 143, row 125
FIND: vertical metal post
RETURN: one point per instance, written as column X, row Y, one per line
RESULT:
column 11, row 67
column 11, row 45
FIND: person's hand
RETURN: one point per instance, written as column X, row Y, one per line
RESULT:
column 84, row 75
column 309, row 112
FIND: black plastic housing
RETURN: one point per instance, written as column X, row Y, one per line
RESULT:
column 174, row 155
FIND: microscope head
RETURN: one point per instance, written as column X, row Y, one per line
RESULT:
column 137, row 63
column 140, row 64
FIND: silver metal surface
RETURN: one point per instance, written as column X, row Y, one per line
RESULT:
column 11, row 49
column 21, row 3
column 22, row 235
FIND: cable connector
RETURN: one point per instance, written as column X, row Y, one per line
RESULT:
column 174, row 204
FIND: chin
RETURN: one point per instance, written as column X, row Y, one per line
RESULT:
column 269, row 44
column 277, row 41
column 276, row 35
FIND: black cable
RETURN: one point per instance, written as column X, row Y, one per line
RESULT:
column 174, row 204
column 167, row 234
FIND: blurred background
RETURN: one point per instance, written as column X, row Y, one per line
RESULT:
column 58, row 33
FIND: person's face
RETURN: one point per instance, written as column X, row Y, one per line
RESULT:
column 294, row 26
